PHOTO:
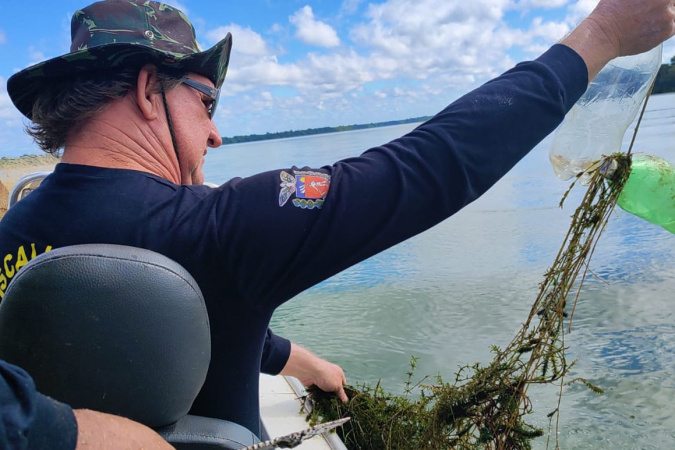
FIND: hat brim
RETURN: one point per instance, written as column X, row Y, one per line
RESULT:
column 24, row 86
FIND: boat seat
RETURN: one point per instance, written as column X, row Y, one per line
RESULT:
column 25, row 186
column 120, row 330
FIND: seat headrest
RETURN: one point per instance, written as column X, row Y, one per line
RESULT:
column 111, row 328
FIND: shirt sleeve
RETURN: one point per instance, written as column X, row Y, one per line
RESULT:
column 276, row 352
column 29, row 419
column 280, row 243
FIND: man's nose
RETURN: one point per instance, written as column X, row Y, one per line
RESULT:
column 215, row 140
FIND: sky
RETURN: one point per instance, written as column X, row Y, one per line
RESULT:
column 300, row 64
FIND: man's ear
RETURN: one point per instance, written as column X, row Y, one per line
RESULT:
column 147, row 97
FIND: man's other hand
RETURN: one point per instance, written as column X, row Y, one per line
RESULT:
column 314, row 371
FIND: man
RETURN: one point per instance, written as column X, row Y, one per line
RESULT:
column 161, row 27
column 30, row 420
column 132, row 106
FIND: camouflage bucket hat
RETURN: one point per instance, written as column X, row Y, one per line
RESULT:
column 123, row 33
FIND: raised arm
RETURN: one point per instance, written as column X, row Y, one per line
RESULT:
column 397, row 190
column 620, row 28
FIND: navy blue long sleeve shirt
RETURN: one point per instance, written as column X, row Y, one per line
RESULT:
column 28, row 419
column 254, row 243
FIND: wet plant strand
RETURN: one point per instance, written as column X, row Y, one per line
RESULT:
column 485, row 406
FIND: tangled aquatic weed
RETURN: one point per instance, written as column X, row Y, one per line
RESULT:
column 485, row 406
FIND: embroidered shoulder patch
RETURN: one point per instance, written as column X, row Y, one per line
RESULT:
column 310, row 188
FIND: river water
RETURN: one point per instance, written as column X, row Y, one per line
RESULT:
column 450, row 293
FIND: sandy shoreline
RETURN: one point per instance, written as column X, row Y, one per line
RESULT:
column 13, row 169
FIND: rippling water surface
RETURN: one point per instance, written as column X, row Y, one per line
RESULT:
column 449, row 294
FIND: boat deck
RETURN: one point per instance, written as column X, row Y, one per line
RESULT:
column 280, row 409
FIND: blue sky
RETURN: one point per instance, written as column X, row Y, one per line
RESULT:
column 300, row 64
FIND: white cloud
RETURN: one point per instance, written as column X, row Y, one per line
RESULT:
column 424, row 52
column 551, row 31
column 7, row 109
column 318, row 75
column 579, row 10
column 311, row 31
column 262, row 72
column 350, row 6
column 13, row 140
column 447, row 48
column 35, row 56
column 544, row 4
column 541, row 35
column 244, row 40
column 276, row 28
column 435, row 35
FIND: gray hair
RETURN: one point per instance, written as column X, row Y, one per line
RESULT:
column 68, row 102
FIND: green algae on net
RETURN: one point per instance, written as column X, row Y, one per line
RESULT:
column 484, row 407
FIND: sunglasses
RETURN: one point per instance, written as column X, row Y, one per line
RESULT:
column 209, row 91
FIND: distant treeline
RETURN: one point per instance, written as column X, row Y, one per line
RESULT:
column 665, row 80
column 311, row 131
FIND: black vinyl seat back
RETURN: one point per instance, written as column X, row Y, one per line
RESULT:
column 111, row 328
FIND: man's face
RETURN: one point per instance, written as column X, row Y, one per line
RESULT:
column 195, row 131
